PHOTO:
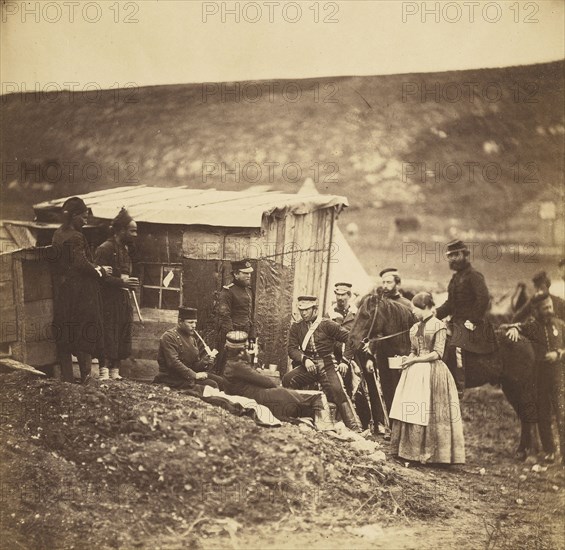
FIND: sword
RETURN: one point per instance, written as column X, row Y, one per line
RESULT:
column 211, row 352
column 134, row 297
column 377, row 379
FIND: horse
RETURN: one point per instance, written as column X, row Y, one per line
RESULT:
column 380, row 330
column 385, row 324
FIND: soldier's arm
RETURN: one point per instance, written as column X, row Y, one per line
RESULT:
column 224, row 311
column 337, row 333
column 482, row 297
column 294, row 351
column 243, row 371
column 445, row 309
column 171, row 350
column 105, row 256
column 79, row 260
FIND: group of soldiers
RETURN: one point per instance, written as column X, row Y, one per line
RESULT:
column 96, row 291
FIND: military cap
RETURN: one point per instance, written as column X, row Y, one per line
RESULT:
column 188, row 314
column 306, row 302
column 236, row 339
column 342, row 288
column 242, row 265
column 456, row 246
column 391, row 270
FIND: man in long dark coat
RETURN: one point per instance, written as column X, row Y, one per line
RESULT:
column 77, row 318
column 471, row 334
column 116, row 297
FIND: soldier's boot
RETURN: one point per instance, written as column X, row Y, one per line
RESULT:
column 349, row 417
column 323, row 419
column 115, row 374
column 104, row 373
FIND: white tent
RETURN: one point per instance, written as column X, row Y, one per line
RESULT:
column 345, row 266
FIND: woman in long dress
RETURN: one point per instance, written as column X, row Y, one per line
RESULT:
column 427, row 423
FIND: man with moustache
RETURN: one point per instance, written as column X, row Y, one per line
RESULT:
column 182, row 362
column 116, row 297
column 235, row 308
column 547, row 332
column 470, row 333
column 390, row 281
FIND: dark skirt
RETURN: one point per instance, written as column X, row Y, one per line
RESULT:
column 77, row 316
column 118, row 316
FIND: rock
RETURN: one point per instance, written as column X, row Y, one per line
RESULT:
column 482, row 472
column 377, row 456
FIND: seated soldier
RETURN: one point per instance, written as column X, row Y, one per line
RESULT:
column 182, row 363
column 311, row 344
column 242, row 379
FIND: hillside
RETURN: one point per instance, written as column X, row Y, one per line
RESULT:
column 364, row 137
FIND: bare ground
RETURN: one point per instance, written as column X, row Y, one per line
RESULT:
column 129, row 465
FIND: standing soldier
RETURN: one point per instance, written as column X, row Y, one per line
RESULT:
column 116, row 298
column 235, row 307
column 77, row 315
column 547, row 332
column 311, row 347
column 342, row 311
column 467, row 303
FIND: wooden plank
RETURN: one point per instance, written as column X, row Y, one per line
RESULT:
column 289, row 244
column 16, row 365
column 8, row 326
column 37, row 280
column 19, row 347
column 39, row 320
column 6, row 267
column 6, row 293
column 203, row 245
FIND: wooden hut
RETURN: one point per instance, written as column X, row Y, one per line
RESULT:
column 195, row 235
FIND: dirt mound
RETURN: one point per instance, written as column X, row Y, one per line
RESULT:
column 114, row 465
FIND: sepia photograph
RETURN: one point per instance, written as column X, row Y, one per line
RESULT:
column 282, row 274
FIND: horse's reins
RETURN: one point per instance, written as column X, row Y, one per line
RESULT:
column 378, row 339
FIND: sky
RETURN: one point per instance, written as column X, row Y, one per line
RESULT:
column 47, row 44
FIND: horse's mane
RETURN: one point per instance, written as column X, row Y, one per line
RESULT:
column 398, row 318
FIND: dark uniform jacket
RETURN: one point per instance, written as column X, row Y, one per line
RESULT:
column 179, row 358
column 235, row 311
column 246, row 381
column 546, row 336
column 321, row 343
column 468, row 299
column 118, row 310
column 347, row 315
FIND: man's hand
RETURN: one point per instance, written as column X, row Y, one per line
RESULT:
column 366, row 347
column 513, row 334
column 552, row 356
column 370, row 366
column 342, row 369
column 107, row 269
column 469, row 325
column 310, row 366
column 201, row 376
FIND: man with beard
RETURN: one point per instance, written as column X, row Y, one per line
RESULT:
column 182, row 362
column 547, row 332
column 390, row 281
column 77, row 315
column 116, row 297
column 235, row 308
column 311, row 348
column 542, row 284
column 467, row 303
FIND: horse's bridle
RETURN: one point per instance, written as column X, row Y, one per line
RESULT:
column 366, row 340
